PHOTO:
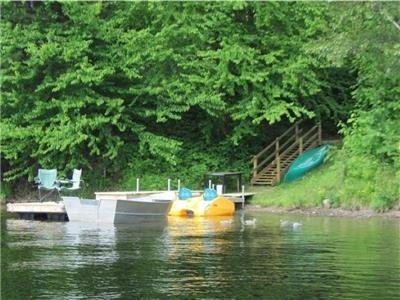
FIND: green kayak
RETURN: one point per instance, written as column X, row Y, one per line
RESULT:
column 306, row 162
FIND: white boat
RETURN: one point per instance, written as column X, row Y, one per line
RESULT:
column 152, row 207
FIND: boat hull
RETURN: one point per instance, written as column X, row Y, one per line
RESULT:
column 128, row 210
column 115, row 211
column 306, row 162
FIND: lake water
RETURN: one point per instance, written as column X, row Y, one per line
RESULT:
column 328, row 258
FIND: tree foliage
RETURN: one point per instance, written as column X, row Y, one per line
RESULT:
column 368, row 36
column 129, row 87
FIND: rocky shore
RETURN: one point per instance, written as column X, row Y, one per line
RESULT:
column 329, row 212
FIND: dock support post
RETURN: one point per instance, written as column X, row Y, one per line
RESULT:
column 242, row 196
column 137, row 184
column 169, row 184
column 179, row 184
column 209, row 184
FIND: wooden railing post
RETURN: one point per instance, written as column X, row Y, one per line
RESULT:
column 319, row 133
column 301, row 145
column 278, row 161
column 296, row 130
column 255, row 165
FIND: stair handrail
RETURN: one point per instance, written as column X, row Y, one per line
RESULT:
column 305, row 135
column 281, row 148
column 270, row 158
column 262, row 151
column 289, row 140
column 300, row 142
column 265, row 161
column 290, row 147
column 277, row 139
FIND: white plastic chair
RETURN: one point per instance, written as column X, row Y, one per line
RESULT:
column 72, row 184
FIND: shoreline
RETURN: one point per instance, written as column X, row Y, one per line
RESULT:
column 314, row 211
column 363, row 212
column 326, row 212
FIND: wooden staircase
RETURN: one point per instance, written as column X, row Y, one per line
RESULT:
column 271, row 163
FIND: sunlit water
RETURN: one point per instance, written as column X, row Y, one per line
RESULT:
column 328, row 258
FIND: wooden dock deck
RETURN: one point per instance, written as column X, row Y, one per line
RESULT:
column 238, row 195
column 39, row 207
column 235, row 197
column 54, row 211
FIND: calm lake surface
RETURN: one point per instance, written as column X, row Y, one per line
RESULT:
column 328, row 258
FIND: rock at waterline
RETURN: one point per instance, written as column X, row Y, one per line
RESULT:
column 289, row 224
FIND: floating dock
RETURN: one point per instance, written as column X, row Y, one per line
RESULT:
column 52, row 211
column 55, row 211
column 235, row 197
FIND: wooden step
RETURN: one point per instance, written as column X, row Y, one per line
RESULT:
column 272, row 176
column 267, row 174
column 265, row 179
column 269, row 180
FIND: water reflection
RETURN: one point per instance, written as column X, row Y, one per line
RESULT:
column 193, row 236
column 199, row 226
column 329, row 258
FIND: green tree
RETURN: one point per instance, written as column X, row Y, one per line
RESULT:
column 139, row 88
column 367, row 36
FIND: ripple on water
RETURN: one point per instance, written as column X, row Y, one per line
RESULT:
column 329, row 258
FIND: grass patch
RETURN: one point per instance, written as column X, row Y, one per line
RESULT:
column 308, row 191
column 370, row 185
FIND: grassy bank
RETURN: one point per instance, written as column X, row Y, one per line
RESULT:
column 373, row 186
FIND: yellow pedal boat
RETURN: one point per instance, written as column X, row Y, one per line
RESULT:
column 209, row 204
